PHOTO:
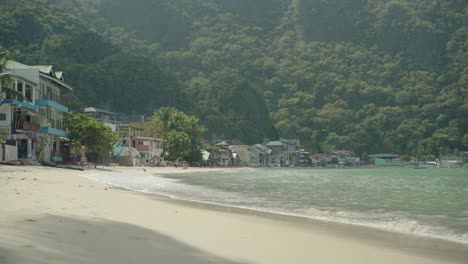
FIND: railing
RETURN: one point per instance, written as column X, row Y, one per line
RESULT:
column 52, row 97
column 30, row 126
column 12, row 94
column 54, row 131
column 19, row 103
column 15, row 95
column 18, row 125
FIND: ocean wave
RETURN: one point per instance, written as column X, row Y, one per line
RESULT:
column 398, row 222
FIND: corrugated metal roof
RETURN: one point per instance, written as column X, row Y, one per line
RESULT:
column 96, row 110
column 275, row 143
column 384, row 156
column 20, row 70
column 148, row 138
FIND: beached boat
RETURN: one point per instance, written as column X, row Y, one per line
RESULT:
column 451, row 162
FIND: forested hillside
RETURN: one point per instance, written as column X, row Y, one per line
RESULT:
column 102, row 75
column 368, row 75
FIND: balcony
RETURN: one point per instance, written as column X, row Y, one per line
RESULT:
column 53, row 131
column 30, row 126
column 24, row 127
column 53, row 104
column 22, row 104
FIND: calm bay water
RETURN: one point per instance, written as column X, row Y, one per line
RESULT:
column 429, row 202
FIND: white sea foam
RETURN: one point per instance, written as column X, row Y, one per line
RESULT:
column 390, row 221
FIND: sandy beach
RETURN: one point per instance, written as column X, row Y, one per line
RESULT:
column 50, row 215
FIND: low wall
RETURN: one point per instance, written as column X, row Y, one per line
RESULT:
column 8, row 153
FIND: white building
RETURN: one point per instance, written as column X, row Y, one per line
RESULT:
column 32, row 111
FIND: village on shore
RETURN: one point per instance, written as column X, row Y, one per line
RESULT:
column 33, row 128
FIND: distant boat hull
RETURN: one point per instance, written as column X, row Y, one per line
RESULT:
column 451, row 162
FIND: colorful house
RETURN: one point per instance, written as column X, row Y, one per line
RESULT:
column 150, row 149
column 33, row 115
column 389, row 160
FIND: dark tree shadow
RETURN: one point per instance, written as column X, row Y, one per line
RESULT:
column 54, row 239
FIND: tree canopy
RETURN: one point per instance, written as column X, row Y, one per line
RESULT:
column 92, row 134
column 181, row 133
column 367, row 75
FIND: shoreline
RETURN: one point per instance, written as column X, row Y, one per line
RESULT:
column 171, row 170
column 289, row 217
column 285, row 216
column 256, row 236
column 418, row 243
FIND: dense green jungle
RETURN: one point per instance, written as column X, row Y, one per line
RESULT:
column 367, row 75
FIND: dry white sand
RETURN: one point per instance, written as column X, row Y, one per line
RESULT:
column 52, row 215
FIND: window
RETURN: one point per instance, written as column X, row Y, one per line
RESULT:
column 43, row 91
column 3, row 117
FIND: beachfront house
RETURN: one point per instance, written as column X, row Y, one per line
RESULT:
column 303, row 159
column 33, row 112
column 222, row 157
column 345, row 158
column 241, row 154
column 278, row 155
column 126, row 131
column 292, row 153
column 18, row 111
column 149, row 148
column 388, row 160
column 259, row 155
column 124, row 152
column 320, row 159
column 284, row 152
column 108, row 118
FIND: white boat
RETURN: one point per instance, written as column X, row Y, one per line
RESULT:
column 451, row 162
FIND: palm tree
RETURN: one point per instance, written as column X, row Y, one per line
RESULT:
column 164, row 119
column 3, row 61
column 5, row 56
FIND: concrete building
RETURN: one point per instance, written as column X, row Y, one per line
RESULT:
column 150, row 149
column 33, row 113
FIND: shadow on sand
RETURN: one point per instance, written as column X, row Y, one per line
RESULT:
column 54, row 239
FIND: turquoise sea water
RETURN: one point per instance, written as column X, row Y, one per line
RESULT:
column 429, row 202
